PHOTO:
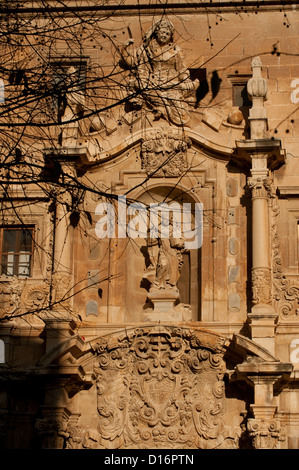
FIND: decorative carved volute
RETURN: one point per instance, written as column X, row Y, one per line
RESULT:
column 265, row 434
column 52, row 428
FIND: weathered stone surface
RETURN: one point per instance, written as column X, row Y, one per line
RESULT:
column 132, row 342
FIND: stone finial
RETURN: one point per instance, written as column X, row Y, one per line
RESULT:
column 257, row 89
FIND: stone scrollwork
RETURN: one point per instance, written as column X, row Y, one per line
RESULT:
column 36, row 300
column 59, row 429
column 10, row 295
column 285, row 294
column 261, row 286
column 159, row 389
column 163, row 153
column 36, row 296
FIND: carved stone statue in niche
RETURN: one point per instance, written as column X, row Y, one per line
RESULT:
column 165, row 255
column 159, row 77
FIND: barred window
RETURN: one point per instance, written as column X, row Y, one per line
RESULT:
column 16, row 250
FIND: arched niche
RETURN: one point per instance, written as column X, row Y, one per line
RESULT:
column 138, row 305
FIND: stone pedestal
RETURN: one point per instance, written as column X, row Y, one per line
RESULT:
column 262, row 321
column 165, row 308
column 164, row 300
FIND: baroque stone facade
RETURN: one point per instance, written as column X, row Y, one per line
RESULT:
column 122, row 338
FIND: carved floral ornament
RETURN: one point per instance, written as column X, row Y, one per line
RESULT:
column 164, row 152
column 17, row 297
column 161, row 387
column 261, row 286
column 10, row 292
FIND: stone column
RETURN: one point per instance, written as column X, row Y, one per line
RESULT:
column 263, row 154
column 62, row 242
column 59, row 319
column 265, row 427
column 262, row 317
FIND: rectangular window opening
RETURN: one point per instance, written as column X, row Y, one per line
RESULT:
column 16, row 251
column 240, row 96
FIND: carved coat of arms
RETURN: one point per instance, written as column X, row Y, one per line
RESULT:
column 159, row 390
column 164, row 153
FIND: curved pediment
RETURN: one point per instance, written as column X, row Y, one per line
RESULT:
column 238, row 346
column 218, row 142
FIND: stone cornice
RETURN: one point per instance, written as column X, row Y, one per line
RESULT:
column 144, row 6
column 265, row 148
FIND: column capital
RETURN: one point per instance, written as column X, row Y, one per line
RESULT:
column 261, row 186
column 265, row 433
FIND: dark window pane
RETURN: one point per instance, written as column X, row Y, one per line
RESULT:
column 240, row 96
column 184, row 280
column 26, row 240
column 9, row 240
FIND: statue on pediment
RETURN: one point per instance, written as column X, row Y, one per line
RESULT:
column 159, row 79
